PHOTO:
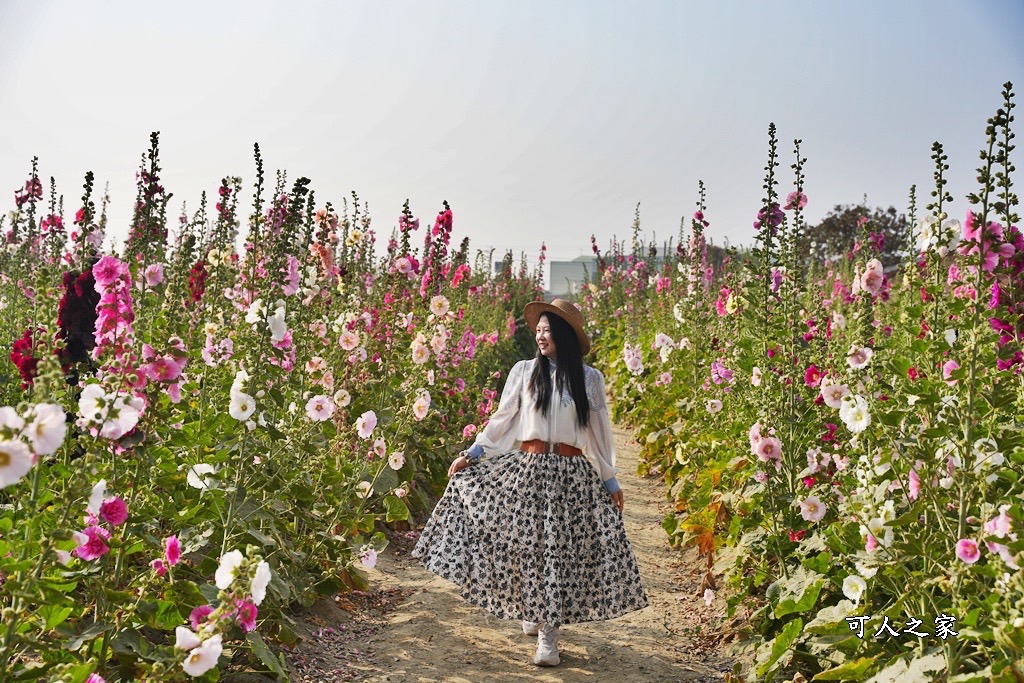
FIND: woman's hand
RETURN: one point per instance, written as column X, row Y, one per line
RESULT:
column 618, row 500
column 458, row 464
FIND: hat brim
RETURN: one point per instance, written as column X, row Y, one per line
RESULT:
column 535, row 309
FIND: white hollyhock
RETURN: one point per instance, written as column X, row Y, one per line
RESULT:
column 195, row 476
column 185, row 639
column 229, row 564
column 242, row 406
column 854, row 587
column 15, row 462
column 260, row 581
column 99, row 492
column 278, row 327
column 92, row 403
column 46, row 428
column 10, row 419
column 854, row 413
column 203, row 658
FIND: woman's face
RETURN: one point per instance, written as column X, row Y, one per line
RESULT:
column 545, row 342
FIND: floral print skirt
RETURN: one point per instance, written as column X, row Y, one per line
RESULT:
column 535, row 537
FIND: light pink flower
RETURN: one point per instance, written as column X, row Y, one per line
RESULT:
column 833, row 393
column 154, row 274
column 812, row 509
column 366, row 423
column 967, row 551
column 368, row 558
column 468, row 431
column 319, row 408
column 914, row 487
column 768, row 449
column 947, row 369
column 871, row 544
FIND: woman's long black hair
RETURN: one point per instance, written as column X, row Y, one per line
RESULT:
column 568, row 371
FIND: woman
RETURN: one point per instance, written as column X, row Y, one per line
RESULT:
column 536, row 533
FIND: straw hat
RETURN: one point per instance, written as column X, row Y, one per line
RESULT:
column 565, row 310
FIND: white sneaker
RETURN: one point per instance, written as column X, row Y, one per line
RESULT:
column 547, row 646
column 530, row 627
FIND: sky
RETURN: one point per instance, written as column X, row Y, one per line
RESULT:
column 537, row 121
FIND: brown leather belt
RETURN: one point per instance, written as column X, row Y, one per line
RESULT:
column 541, row 446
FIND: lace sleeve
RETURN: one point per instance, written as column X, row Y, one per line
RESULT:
column 600, row 443
column 501, row 430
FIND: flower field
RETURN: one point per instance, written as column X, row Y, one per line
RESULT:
column 194, row 438
column 212, row 422
column 841, row 436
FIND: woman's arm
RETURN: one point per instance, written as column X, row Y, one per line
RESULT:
column 600, row 443
column 500, row 433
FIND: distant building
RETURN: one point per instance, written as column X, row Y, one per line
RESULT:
column 565, row 277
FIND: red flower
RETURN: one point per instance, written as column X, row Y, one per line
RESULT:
column 797, row 536
column 831, row 434
column 23, row 358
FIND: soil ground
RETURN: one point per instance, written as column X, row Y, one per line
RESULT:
column 413, row 627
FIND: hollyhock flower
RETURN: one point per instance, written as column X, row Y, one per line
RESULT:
column 319, row 408
column 154, row 274
column 439, row 305
column 379, row 448
column 91, row 543
column 755, row 376
column 812, row 509
column 812, row 376
column 999, row 526
column 95, row 678
column 364, row 489
column 172, row 550
column 797, row 536
column 714, row 405
column 420, row 353
column 366, row 423
column 114, row 511
column 198, row 616
column 245, row 615
column 858, row 357
column 854, row 587
column 635, row 365
column 871, row 280
column 768, row 449
column 914, row 485
column 349, row 340
column 468, row 431
column 754, row 434
column 260, row 581
column 10, row 419
column 342, row 398
column 396, row 460
column 184, row 639
column 242, row 406
column 795, row 200
column 15, row 462
column 195, row 476
column 106, row 271
column 720, row 373
column 159, row 566
column 967, row 551
column 368, row 558
column 46, row 428
column 203, row 658
column 422, row 405
column 228, row 568
column 947, row 370
column 854, row 413
column 664, row 379
column 833, row 394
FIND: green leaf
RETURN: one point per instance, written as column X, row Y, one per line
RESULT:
column 805, row 603
column 52, row 615
column 670, row 524
column 919, row 670
column 396, row 509
column 260, row 649
column 782, row 644
column 849, row 671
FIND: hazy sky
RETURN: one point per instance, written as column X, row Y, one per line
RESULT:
column 537, row 121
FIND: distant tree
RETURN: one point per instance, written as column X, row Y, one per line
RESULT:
column 849, row 225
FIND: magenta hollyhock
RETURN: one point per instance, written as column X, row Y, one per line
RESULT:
column 199, row 615
column 91, row 543
column 114, row 511
column 172, row 550
column 813, row 375
column 245, row 613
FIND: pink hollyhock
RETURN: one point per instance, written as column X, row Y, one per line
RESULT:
column 172, row 550
column 914, row 487
column 947, row 369
column 795, row 200
column 468, row 431
column 871, row 544
column 159, row 567
column 769, row 448
column 813, row 375
column 967, row 551
column 198, row 616
column 154, row 274
column 95, row 678
column 91, row 543
column 114, row 511
column 105, row 272
column 245, row 613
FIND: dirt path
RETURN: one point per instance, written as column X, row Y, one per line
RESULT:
column 433, row 636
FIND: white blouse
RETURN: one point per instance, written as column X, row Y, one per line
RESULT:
column 517, row 419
